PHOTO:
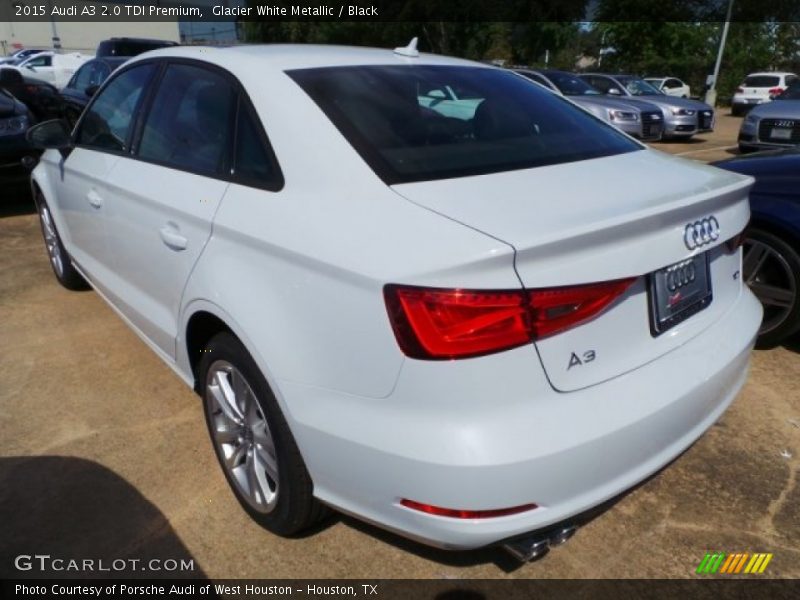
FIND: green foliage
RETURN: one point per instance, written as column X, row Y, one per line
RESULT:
column 685, row 47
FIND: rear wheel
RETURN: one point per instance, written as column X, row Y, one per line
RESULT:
column 252, row 440
column 772, row 270
column 60, row 260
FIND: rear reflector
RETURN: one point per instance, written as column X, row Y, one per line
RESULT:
column 465, row 514
column 735, row 242
column 439, row 324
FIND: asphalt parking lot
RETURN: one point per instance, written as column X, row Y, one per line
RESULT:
column 104, row 454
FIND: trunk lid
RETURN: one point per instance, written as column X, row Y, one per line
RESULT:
column 599, row 220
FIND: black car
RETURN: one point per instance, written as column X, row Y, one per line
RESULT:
column 125, row 46
column 771, row 261
column 41, row 98
column 15, row 120
column 84, row 83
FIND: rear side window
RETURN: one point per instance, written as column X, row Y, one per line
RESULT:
column 762, row 81
column 106, row 125
column 496, row 122
column 190, row 121
column 254, row 161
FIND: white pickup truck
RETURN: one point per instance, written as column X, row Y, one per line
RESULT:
column 52, row 67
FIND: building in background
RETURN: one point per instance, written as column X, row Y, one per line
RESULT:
column 74, row 36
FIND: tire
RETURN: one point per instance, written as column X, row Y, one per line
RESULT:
column 743, row 149
column 60, row 260
column 771, row 268
column 252, row 441
column 736, row 111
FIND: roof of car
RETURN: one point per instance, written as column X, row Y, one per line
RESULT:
column 299, row 56
column 769, row 73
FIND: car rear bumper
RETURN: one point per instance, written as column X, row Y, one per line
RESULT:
column 490, row 433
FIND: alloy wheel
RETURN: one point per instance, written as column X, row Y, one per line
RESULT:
column 242, row 436
column 772, row 280
column 51, row 240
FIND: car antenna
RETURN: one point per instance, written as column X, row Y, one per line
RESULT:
column 410, row 50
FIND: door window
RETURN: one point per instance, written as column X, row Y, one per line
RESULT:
column 108, row 120
column 40, row 61
column 81, row 80
column 189, row 123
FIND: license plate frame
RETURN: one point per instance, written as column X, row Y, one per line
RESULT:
column 679, row 291
column 780, row 133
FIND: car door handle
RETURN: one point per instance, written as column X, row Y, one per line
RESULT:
column 172, row 238
column 94, row 199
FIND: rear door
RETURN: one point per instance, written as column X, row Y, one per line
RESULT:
column 163, row 198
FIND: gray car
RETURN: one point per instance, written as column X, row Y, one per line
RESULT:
column 775, row 124
column 639, row 119
column 683, row 117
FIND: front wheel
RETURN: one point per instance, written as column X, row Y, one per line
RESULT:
column 252, row 440
column 772, row 270
column 60, row 260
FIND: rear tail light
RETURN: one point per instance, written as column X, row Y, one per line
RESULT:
column 740, row 90
column 440, row 324
column 775, row 91
column 465, row 514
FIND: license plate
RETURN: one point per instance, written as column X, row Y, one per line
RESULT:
column 679, row 291
column 781, row 134
column 753, row 100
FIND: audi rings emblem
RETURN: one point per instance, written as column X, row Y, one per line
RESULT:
column 681, row 275
column 701, row 232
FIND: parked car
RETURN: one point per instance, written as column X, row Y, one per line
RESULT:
column 125, row 46
column 683, row 117
column 15, row 120
column 18, row 56
column 54, row 68
column 771, row 261
column 84, row 83
column 41, row 98
column 759, row 88
column 467, row 335
column 774, row 124
column 637, row 119
column 671, row 86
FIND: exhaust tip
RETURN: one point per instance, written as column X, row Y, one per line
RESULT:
column 536, row 546
column 560, row 536
column 527, row 549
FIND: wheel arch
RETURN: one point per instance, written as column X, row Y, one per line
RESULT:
column 786, row 233
column 201, row 326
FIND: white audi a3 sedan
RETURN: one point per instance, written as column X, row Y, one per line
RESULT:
column 464, row 324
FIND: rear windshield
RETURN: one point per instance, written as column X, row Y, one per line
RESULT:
column 571, row 85
column 762, row 81
column 423, row 122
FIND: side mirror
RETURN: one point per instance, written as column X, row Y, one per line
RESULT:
column 614, row 92
column 50, row 134
column 91, row 90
